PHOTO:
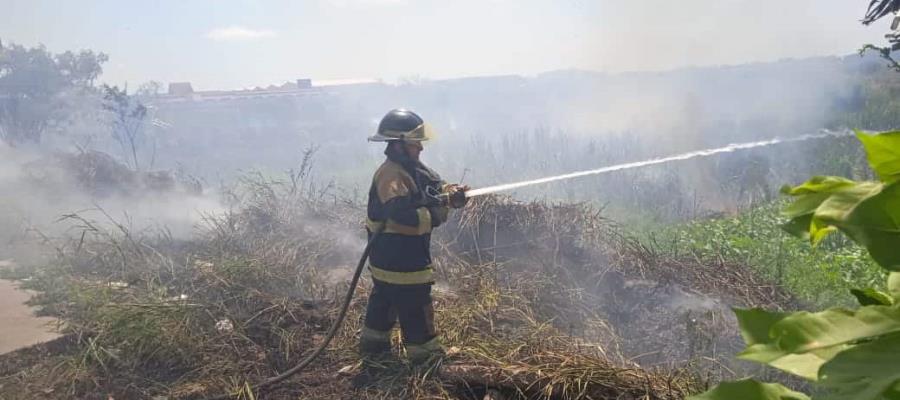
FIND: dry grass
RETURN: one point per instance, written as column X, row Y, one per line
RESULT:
column 145, row 314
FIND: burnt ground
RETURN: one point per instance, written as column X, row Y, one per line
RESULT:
column 662, row 312
column 536, row 300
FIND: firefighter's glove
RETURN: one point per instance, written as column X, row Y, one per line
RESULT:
column 456, row 195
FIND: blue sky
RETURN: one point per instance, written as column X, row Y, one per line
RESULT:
column 217, row 44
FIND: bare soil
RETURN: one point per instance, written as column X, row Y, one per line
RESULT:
column 19, row 327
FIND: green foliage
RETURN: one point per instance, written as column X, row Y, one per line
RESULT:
column 756, row 327
column 893, row 285
column 804, row 332
column 32, row 81
column 879, row 9
column 128, row 116
column 884, row 154
column 851, row 354
column 872, row 297
column 756, row 324
column 116, row 325
column 885, row 52
column 820, row 275
column 866, row 371
column 867, row 212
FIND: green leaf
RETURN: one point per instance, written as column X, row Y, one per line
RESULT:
column 893, row 393
column 799, row 226
column 818, row 231
column 805, row 365
column 755, row 324
column 872, row 297
column 868, row 371
column 873, row 222
column 867, row 212
column 883, row 152
column 843, row 202
column 805, row 204
column 815, row 185
column 803, row 331
column 749, row 389
column 803, row 220
column 801, row 343
column 893, row 285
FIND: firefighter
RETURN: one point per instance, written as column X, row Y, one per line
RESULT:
column 406, row 201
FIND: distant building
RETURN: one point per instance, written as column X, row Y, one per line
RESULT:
column 180, row 89
column 184, row 93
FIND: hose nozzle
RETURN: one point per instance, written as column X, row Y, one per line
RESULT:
column 455, row 198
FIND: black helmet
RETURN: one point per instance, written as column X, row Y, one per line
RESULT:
column 401, row 124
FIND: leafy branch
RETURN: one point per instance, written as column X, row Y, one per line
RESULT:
column 880, row 8
column 128, row 116
column 884, row 52
column 850, row 354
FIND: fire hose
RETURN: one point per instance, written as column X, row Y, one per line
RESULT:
column 458, row 199
column 328, row 336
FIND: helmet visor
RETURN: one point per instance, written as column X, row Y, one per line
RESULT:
column 420, row 134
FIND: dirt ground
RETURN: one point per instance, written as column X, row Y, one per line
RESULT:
column 18, row 325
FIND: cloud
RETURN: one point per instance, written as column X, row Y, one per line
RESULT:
column 236, row 33
column 366, row 3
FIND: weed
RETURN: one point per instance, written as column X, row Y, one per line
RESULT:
column 821, row 276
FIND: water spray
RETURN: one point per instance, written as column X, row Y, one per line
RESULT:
column 653, row 161
column 460, row 198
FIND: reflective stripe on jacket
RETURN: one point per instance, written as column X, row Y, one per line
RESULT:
column 397, row 208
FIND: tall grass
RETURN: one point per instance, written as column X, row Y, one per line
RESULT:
column 821, row 276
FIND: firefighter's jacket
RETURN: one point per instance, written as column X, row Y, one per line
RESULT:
column 399, row 207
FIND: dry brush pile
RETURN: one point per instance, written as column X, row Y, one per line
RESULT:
column 520, row 305
column 660, row 310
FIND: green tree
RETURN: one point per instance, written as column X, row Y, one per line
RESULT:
column 851, row 354
column 877, row 10
column 128, row 116
column 34, row 81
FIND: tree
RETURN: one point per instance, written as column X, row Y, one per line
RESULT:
column 846, row 353
column 128, row 120
column 877, row 10
column 33, row 82
column 880, row 8
column 149, row 89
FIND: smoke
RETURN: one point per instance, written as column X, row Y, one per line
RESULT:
column 513, row 128
column 492, row 130
column 41, row 187
column 653, row 34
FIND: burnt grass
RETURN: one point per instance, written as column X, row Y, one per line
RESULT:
column 534, row 300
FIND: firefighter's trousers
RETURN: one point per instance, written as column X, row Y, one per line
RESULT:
column 412, row 306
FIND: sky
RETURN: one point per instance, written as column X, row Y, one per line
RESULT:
column 219, row 44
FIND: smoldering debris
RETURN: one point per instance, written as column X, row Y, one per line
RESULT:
column 661, row 311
